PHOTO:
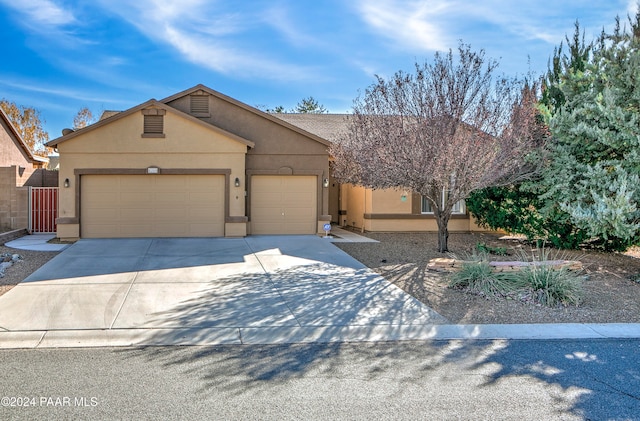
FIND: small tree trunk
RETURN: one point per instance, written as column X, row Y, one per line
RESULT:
column 443, row 232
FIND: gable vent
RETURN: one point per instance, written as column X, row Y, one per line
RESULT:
column 153, row 124
column 199, row 104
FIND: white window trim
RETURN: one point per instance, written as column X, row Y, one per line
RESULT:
column 462, row 209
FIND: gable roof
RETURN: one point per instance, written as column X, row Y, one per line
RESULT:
column 327, row 126
column 17, row 139
column 249, row 108
column 151, row 103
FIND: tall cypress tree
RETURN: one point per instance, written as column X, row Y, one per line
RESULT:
column 595, row 172
column 524, row 208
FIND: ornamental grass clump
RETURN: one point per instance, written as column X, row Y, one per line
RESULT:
column 541, row 282
column 476, row 276
column 550, row 285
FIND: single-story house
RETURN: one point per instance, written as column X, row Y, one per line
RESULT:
column 19, row 168
column 200, row 163
column 197, row 163
column 383, row 210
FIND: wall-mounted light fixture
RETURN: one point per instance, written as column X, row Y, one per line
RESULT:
column 66, row 182
column 237, row 182
column 325, row 182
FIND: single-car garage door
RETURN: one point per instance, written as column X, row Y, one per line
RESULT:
column 152, row 206
column 283, row 204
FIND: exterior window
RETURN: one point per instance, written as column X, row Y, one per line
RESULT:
column 199, row 106
column 458, row 207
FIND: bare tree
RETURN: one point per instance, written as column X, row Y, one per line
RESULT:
column 27, row 122
column 450, row 128
column 83, row 118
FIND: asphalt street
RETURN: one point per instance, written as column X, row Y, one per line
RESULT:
column 499, row 379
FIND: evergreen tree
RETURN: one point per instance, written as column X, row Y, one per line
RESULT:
column 524, row 208
column 595, row 171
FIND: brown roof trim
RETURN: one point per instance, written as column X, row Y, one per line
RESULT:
column 151, row 102
column 18, row 140
column 247, row 108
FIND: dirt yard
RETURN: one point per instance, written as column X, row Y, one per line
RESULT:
column 611, row 295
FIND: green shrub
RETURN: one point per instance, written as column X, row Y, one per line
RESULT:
column 499, row 251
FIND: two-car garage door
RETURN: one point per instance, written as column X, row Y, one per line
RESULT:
column 152, row 206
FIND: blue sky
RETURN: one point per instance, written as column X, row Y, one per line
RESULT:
column 60, row 55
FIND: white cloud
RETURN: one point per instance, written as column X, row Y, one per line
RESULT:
column 206, row 34
column 42, row 12
column 33, row 86
column 411, row 24
column 278, row 18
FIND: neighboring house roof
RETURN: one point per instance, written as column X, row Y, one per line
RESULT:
column 19, row 142
column 54, row 162
column 249, row 108
column 327, row 126
column 150, row 103
column 107, row 114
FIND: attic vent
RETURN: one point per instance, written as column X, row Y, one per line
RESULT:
column 154, row 125
column 200, row 105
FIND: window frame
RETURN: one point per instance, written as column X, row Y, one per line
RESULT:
column 459, row 208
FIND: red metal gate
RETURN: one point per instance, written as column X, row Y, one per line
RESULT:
column 43, row 209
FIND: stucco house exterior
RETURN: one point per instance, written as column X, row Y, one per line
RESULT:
column 197, row 163
column 383, row 210
column 19, row 168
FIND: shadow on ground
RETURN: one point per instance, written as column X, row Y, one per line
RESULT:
column 566, row 380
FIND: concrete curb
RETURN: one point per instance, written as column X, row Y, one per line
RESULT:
column 310, row 334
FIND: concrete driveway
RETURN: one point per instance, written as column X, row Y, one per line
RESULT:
column 262, row 289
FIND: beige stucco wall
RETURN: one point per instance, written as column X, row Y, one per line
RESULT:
column 119, row 145
column 13, row 199
column 374, row 210
column 390, row 201
column 10, row 151
column 278, row 149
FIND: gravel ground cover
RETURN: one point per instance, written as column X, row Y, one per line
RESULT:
column 31, row 260
column 611, row 294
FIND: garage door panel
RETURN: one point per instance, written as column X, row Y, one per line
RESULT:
column 208, row 230
column 106, row 199
column 133, row 216
column 152, row 205
column 133, row 197
column 132, row 230
column 204, row 214
column 202, row 183
column 283, row 204
column 169, row 216
column 134, row 183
